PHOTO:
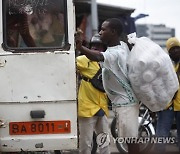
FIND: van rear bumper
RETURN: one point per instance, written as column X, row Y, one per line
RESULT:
column 38, row 144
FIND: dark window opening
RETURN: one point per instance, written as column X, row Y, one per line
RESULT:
column 34, row 24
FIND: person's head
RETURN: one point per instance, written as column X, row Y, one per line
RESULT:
column 111, row 30
column 96, row 43
column 173, row 47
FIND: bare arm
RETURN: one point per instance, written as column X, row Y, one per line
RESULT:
column 91, row 54
column 24, row 31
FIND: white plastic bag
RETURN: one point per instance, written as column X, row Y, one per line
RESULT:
column 151, row 73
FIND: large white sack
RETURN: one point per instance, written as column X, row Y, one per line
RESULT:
column 151, row 73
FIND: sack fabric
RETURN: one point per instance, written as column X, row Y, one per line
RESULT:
column 151, row 73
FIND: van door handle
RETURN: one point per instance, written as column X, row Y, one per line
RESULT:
column 37, row 114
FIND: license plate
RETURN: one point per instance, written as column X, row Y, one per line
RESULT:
column 39, row 127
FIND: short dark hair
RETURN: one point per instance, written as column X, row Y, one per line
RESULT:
column 116, row 24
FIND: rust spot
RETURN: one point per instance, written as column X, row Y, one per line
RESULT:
column 4, row 145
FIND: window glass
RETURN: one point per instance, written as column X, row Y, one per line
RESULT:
column 34, row 23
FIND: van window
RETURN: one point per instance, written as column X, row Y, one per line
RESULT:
column 39, row 24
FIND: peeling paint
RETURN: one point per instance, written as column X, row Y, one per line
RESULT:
column 2, row 62
column 3, row 124
column 4, row 145
column 16, row 140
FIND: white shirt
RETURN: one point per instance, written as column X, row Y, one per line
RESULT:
column 115, row 78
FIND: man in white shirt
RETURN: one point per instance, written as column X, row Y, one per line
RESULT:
column 115, row 79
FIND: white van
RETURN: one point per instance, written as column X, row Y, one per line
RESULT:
column 38, row 108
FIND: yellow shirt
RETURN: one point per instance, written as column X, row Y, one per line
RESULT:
column 176, row 100
column 90, row 100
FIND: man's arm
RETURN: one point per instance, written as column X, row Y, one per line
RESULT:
column 90, row 54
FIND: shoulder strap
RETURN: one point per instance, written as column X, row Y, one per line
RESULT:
column 99, row 72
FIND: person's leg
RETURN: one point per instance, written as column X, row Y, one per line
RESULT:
column 102, row 131
column 128, row 125
column 86, row 128
column 178, row 127
column 164, row 123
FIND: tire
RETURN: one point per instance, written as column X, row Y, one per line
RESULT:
column 144, row 131
column 114, row 128
column 148, row 133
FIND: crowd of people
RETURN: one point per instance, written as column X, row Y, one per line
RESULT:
column 109, row 51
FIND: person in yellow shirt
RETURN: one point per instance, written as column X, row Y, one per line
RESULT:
column 92, row 103
column 166, row 117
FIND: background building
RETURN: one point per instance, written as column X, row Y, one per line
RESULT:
column 85, row 18
column 157, row 33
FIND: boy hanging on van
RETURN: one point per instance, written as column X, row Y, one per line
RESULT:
column 92, row 102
